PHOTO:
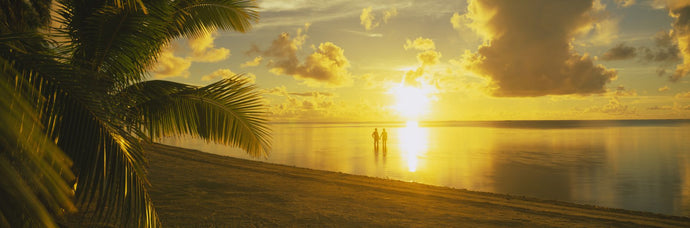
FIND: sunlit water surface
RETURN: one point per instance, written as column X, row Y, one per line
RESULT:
column 637, row 165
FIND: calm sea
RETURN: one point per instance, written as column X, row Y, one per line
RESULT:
column 632, row 164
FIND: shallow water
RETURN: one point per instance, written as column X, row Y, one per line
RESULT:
column 638, row 165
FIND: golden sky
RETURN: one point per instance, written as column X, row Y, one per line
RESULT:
column 397, row 60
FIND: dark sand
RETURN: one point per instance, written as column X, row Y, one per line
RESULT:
column 196, row 189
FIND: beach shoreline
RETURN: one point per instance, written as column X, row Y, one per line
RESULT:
column 194, row 188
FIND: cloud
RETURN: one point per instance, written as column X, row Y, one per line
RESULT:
column 679, row 10
column 660, row 107
column 614, row 107
column 203, row 49
column 220, row 73
column 380, row 82
column 326, row 66
column 312, row 94
column 367, row 19
column 422, row 44
column 311, row 106
column 169, row 65
column 252, row 63
column 278, row 90
column 528, row 50
column 461, row 24
column 367, row 34
column 323, row 106
column 619, row 52
column 625, row 3
column 388, row 14
column 621, row 91
column 603, row 28
column 683, row 95
column 413, row 77
column 663, row 89
column 227, row 73
column 428, row 57
column 665, row 50
column 673, row 4
column 676, row 107
column 458, row 21
column 370, row 21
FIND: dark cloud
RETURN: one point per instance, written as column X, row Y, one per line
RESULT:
column 529, row 51
column 665, row 49
column 625, row 3
column 660, row 107
column 619, row 52
column 664, row 52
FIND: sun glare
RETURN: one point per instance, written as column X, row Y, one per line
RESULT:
column 413, row 144
column 411, row 102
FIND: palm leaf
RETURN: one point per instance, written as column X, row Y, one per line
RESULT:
column 24, row 16
column 116, row 43
column 108, row 160
column 131, row 5
column 34, row 172
column 197, row 17
column 111, row 188
column 229, row 112
column 123, row 43
column 76, row 103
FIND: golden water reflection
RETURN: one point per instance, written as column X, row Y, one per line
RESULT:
column 632, row 167
column 414, row 144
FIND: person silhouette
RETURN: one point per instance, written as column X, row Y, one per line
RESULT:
column 384, row 137
column 375, row 135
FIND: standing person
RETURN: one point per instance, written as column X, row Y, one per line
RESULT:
column 375, row 135
column 384, row 137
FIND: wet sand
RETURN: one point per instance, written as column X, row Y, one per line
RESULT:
column 196, row 189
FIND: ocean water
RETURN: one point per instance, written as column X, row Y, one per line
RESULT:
column 639, row 165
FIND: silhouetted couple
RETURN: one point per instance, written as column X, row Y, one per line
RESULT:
column 383, row 137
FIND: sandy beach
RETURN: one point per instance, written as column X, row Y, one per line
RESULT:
column 196, row 189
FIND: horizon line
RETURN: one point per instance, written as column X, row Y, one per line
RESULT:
column 438, row 121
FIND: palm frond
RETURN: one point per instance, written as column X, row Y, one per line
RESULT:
column 24, row 16
column 111, row 184
column 116, row 43
column 108, row 160
column 34, row 172
column 131, row 4
column 197, row 17
column 68, row 96
column 229, row 112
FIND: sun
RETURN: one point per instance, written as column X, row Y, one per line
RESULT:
column 412, row 102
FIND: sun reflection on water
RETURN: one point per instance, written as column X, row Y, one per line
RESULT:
column 413, row 144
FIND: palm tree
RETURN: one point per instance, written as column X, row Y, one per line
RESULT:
column 79, row 107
